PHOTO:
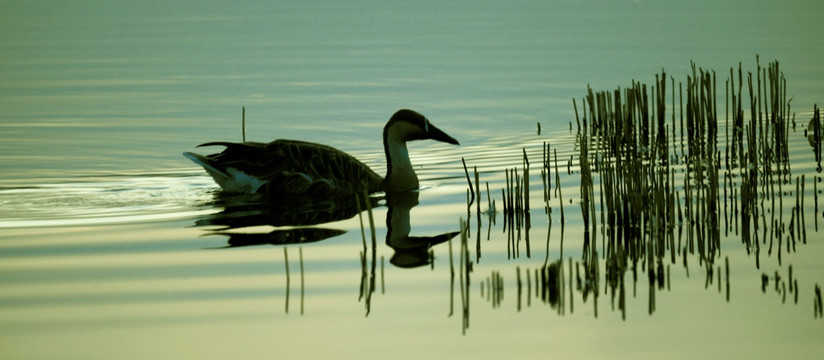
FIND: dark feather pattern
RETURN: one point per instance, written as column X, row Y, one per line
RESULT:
column 296, row 167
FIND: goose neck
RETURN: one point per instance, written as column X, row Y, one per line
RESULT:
column 400, row 176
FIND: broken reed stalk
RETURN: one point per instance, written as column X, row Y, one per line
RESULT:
column 577, row 120
column 528, row 288
column 526, row 221
column 558, row 187
column 360, row 218
column 362, row 288
column 451, row 280
column 505, row 193
column 544, row 177
column 798, row 210
column 815, row 139
column 802, row 212
column 302, row 284
column 727, row 275
column 286, row 263
column 371, row 217
column 461, row 269
column 465, row 268
column 519, row 284
column 471, row 189
column 547, row 167
column 478, row 186
column 478, row 216
column 526, row 182
column 243, row 123
column 815, row 191
column 489, row 202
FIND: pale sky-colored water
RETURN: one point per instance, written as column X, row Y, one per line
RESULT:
column 126, row 85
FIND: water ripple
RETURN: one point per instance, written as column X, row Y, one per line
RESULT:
column 105, row 200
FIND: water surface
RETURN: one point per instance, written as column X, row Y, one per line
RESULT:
column 104, row 246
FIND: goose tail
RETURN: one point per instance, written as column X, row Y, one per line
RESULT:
column 230, row 179
column 207, row 164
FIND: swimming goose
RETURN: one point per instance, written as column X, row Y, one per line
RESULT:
column 299, row 167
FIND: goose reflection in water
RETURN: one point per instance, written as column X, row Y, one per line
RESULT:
column 410, row 251
column 246, row 211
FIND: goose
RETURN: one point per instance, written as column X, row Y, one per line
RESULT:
column 299, row 167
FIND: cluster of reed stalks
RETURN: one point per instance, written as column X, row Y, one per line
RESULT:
column 628, row 140
column 652, row 168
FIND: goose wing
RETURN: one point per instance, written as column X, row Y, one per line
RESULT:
column 316, row 168
column 295, row 167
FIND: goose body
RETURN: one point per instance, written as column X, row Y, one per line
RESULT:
column 300, row 167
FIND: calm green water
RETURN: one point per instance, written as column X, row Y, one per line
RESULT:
column 103, row 244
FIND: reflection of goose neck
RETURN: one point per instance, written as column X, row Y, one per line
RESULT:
column 399, row 173
column 397, row 218
column 410, row 251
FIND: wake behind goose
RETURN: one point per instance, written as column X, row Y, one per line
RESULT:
column 299, row 167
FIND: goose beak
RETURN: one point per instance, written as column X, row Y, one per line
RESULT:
column 436, row 134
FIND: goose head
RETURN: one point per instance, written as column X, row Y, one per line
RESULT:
column 406, row 125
